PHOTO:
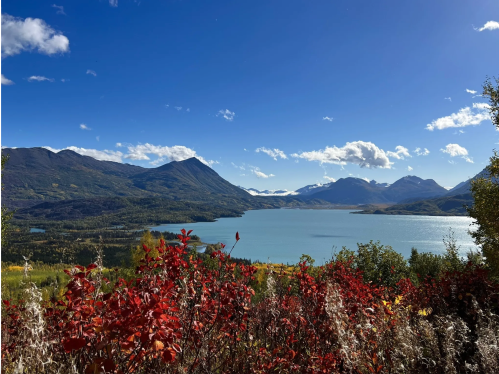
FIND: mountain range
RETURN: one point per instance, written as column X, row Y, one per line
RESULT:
column 37, row 175
column 358, row 191
column 42, row 184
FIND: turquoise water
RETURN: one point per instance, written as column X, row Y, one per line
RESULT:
column 283, row 235
column 36, row 230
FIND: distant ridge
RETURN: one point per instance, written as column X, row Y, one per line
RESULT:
column 37, row 174
column 358, row 191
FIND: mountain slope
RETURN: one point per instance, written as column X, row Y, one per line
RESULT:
column 440, row 206
column 313, row 188
column 184, row 180
column 351, row 191
column 464, row 187
column 411, row 187
column 359, row 191
column 33, row 175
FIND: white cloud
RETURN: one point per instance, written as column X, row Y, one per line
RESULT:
column 330, row 119
column 238, row 167
column 64, row 80
column 84, row 127
column 255, row 170
column 422, row 152
column 97, row 137
column 39, row 78
column 113, row 3
column 364, row 154
column 491, row 25
column 227, row 114
column 30, row 34
column 481, row 106
column 179, row 108
column 455, row 150
column 104, row 155
column 91, row 72
column 329, row 178
column 448, row 98
column 400, row 153
column 175, row 153
column 6, row 81
column 188, row 110
column 473, row 92
column 465, row 117
column 60, row 9
column 118, row 145
column 409, row 168
column 274, row 153
column 167, row 105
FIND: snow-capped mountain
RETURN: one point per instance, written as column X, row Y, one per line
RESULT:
column 255, row 192
column 313, row 188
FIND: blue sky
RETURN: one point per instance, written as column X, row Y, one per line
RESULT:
column 322, row 89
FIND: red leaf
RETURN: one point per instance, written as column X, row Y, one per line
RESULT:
column 91, row 267
column 6, row 302
column 147, row 250
column 169, row 355
column 74, row 344
column 237, row 236
column 189, row 232
column 183, row 232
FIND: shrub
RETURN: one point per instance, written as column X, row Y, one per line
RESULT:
column 179, row 314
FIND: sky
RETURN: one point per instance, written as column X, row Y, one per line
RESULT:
column 270, row 94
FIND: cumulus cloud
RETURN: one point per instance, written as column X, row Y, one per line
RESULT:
column 175, row 153
column 91, row 72
column 84, row 127
column 104, row 155
column 30, row 34
column 481, row 106
column 364, row 154
column 409, row 168
column 227, row 114
column 491, row 25
column 465, row 117
column 6, row 81
column 455, row 150
column 274, row 153
column 422, row 152
column 113, row 3
column 179, row 108
column 330, row 119
column 400, row 153
column 255, row 170
column 473, row 92
column 60, row 9
column 39, row 78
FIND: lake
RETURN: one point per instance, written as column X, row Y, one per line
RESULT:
column 283, row 235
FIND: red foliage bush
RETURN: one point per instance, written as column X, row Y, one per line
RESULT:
column 183, row 315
